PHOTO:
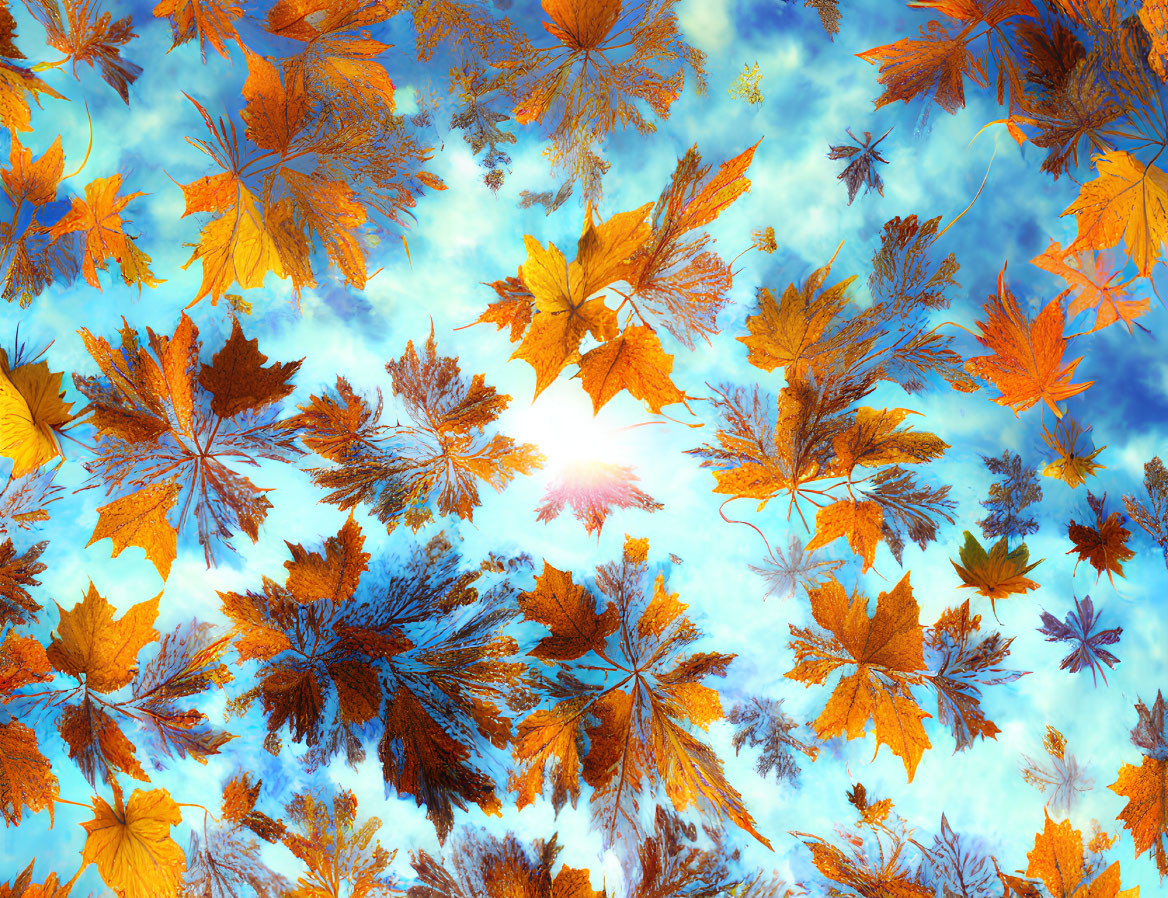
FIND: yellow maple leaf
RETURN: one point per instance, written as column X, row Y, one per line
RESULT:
column 90, row 644
column 131, row 844
column 140, row 519
column 31, row 406
column 1127, row 201
column 874, row 439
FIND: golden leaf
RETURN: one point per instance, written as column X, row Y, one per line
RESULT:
column 634, row 361
column 140, row 519
column 860, row 522
column 131, row 844
column 90, row 645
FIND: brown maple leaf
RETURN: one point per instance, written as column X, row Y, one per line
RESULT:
column 639, row 720
column 17, row 574
column 610, row 60
column 401, row 470
column 486, row 866
column 887, row 652
column 1027, row 362
column 26, row 777
column 1152, row 516
column 162, row 423
column 338, row 660
column 1105, row 544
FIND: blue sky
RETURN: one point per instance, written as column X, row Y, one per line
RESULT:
column 813, row 89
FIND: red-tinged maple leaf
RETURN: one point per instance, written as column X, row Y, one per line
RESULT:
column 98, row 218
column 402, row 471
column 594, row 489
column 22, row 661
column 637, row 700
column 1090, row 275
column 486, row 866
column 887, row 652
column 934, row 66
column 339, row 660
column 85, row 34
column 162, row 420
column 1105, row 544
column 1027, row 362
column 212, row 21
column 338, row 852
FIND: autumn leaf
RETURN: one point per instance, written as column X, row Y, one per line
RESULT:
column 158, row 425
column 861, row 168
column 85, row 36
column 339, row 659
column 212, row 21
column 97, row 649
column 632, row 361
column 1078, row 630
column 99, row 219
column 1128, row 202
column 1094, row 284
column 140, row 519
column 784, row 572
column 961, row 663
column 26, row 777
column 1027, row 362
column 935, row 66
column 32, row 412
column 131, row 845
column 876, row 438
column 795, row 331
column 17, row 574
column 17, row 84
column 1105, row 544
column 486, row 866
column 339, row 854
column 1057, row 858
column 887, row 650
column 639, row 727
column 1073, row 465
column 594, row 489
column 998, row 573
column 402, row 471
column 1154, row 17
column 1146, row 787
column 859, row 521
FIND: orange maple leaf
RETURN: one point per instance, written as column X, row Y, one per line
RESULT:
column 140, row 519
column 99, row 218
column 887, row 650
column 934, row 65
column 1089, row 274
column 1027, row 364
column 97, row 649
column 212, row 21
column 634, row 361
column 1128, row 201
column 860, row 522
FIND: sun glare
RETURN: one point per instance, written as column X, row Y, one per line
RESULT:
column 567, row 433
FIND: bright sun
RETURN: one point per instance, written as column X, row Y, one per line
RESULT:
column 567, row 433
